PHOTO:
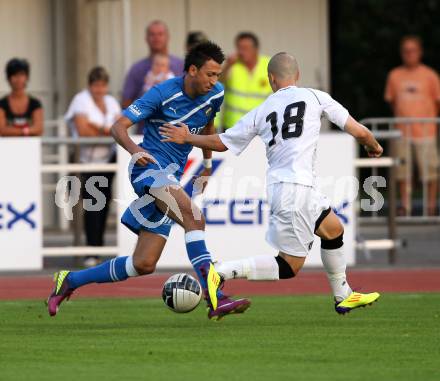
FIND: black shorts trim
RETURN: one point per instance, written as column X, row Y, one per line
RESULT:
column 324, row 214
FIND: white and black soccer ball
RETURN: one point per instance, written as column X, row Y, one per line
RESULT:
column 182, row 293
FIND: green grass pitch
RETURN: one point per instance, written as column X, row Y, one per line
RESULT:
column 279, row 338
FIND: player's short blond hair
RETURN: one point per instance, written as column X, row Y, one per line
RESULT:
column 282, row 65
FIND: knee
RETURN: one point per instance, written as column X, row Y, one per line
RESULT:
column 334, row 233
column 287, row 270
column 144, row 266
column 196, row 222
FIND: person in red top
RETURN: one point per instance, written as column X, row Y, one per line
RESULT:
column 20, row 114
column 413, row 90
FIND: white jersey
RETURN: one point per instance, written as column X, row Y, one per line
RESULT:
column 288, row 122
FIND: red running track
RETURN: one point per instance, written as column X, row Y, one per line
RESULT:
column 307, row 282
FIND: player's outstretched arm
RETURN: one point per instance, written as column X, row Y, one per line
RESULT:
column 120, row 134
column 208, row 130
column 180, row 134
column 363, row 136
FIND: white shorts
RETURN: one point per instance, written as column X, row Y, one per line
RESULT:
column 294, row 211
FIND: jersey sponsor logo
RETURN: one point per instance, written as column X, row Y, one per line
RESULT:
column 15, row 215
column 135, row 110
column 196, row 130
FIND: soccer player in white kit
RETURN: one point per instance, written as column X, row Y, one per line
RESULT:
column 289, row 123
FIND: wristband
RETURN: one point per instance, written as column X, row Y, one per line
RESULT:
column 25, row 131
column 207, row 163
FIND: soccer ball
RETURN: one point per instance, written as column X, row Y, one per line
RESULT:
column 181, row 293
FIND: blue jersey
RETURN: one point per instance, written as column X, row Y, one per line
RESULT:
column 167, row 102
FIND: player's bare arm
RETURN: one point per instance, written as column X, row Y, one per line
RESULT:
column 363, row 136
column 207, row 158
column 180, row 134
column 207, row 153
column 119, row 131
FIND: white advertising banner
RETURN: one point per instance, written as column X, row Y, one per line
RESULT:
column 234, row 202
column 20, row 204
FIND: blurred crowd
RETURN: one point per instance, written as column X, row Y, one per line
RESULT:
column 92, row 111
column 412, row 90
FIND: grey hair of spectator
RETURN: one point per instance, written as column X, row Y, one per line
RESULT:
column 156, row 22
column 283, row 66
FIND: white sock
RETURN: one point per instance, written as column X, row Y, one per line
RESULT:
column 129, row 267
column 263, row 267
column 335, row 265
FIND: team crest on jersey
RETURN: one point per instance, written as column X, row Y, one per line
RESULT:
column 208, row 111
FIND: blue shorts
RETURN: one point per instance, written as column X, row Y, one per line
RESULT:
column 143, row 214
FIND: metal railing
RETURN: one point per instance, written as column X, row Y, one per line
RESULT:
column 406, row 148
column 390, row 243
column 58, row 163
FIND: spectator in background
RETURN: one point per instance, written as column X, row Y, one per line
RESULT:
column 20, row 114
column 413, row 90
column 195, row 38
column 245, row 79
column 160, row 71
column 92, row 112
column 157, row 38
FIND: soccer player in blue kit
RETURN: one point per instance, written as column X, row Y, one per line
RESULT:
column 155, row 171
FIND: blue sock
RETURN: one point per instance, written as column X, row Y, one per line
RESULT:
column 114, row 270
column 198, row 254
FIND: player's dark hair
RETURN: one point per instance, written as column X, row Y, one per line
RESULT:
column 194, row 38
column 203, row 52
column 15, row 66
column 98, row 73
column 248, row 35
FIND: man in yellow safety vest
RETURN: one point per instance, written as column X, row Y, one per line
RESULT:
column 245, row 79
